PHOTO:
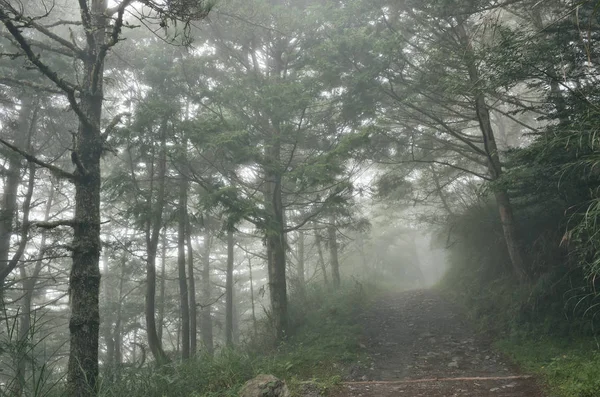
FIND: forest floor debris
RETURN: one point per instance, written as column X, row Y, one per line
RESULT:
column 419, row 344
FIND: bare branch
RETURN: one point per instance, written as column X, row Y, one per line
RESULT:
column 43, row 46
column 55, row 224
column 61, row 22
column 75, row 51
column 113, row 124
column 23, row 83
column 459, row 168
column 54, row 169
column 67, row 87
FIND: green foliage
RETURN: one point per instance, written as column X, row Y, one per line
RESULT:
column 570, row 368
column 325, row 335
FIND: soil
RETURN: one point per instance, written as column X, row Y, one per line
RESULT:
column 419, row 344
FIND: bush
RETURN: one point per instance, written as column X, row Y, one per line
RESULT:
column 324, row 336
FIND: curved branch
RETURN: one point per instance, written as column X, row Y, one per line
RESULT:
column 32, row 159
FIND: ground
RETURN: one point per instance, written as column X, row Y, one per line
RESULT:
column 419, row 344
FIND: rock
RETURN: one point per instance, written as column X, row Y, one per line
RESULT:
column 453, row 364
column 264, row 386
column 310, row 390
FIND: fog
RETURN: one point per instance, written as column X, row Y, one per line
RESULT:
column 298, row 198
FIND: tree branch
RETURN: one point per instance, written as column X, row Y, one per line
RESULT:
column 76, row 51
column 114, row 39
column 64, row 85
column 44, row 46
column 113, row 124
column 38, row 87
column 55, row 224
column 54, row 169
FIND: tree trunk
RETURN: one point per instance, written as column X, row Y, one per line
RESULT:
column 229, row 290
column 254, row 323
column 108, row 320
column 206, row 325
column 163, row 279
column 276, row 263
column 509, row 226
column 29, row 282
column 318, row 241
column 191, row 291
column 183, row 286
column 118, row 338
column 301, row 270
column 275, row 237
column 152, row 235
column 440, row 191
column 11, row 187
column 333, row 253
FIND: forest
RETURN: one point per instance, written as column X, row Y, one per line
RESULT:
column 198, row 194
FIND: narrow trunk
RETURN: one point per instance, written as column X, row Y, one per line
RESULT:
column 108, row 321
column 440, row 191
column 301, row 271
column 163, row 279
column 509, row 226
column 333, row 253
column 134, row 352
column 9, row 196
column 29, row 283
column 206, row 325
column 254, row 323
column 191, row 291
column 319, row 242
column 183, row 286
column 152, row 236
column 229, row 290
column 118, row 338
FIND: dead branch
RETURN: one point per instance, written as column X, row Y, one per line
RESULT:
column 54, row 169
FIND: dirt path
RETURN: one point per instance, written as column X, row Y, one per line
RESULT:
column 420, row 345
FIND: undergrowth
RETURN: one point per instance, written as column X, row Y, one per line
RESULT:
column 570, row 368
column 325, row 337
column 549, row 325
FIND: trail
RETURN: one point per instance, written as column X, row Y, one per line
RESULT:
column 419, row 344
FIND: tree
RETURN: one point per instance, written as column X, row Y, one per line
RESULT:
column 425, row 80
column 101, row 27
column 268, row 110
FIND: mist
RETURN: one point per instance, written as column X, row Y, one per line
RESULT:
column 299, row 198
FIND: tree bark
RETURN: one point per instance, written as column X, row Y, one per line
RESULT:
column 163, row 279
column 229, row 290
column 117, row 336
column 509, row 225
column 333, row 253
column 108, row 320
column 318, row 242
column 301, row 270
column 11, row 187
column 152, row 235
column 183, row 286
column 29, row 282
column 276, row 263
column 206, row 325
column 254, row 323
column 191, row 291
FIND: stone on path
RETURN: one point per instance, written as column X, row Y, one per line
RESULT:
column 265, row 386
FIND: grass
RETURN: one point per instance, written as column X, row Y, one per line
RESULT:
column 531, row 328
column 569, row 367
column 325, row 339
